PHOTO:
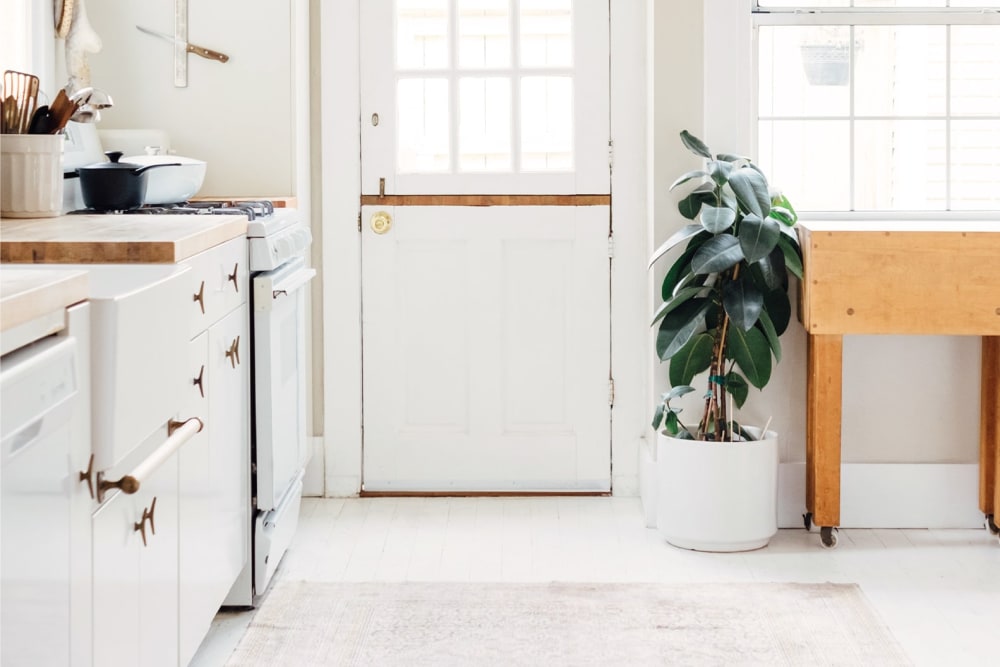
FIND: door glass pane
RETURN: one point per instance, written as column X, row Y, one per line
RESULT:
column 546, row 123
column 975, row 165
column 903, row 165
column 975, row 70
column 804, row 70
column 422, row 122
column 546, row 33
column 483, row 33
column 421, row 34
column 809, row 161
column 899, row 70
column 484, row 124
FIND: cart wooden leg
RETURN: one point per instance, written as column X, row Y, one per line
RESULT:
column 989, row 428
column 823, row 415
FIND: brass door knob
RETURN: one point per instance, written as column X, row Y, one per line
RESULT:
column 381, row 222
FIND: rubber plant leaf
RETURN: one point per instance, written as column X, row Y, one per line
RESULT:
column 720, row 170
column 679, row 271
column 758, row 237
column 695, row 357
column 695, row 145
column 743, row 301
column 697, row 173
column 767, row 326
column 674, row 302
column 779, row 309
column 751, row 191
column 717, row 219
column 737, row 388
column 717, row 254
column 658, row 415
column 793, row 262
column 679, row 326
column 678, row 237
column 750, row 351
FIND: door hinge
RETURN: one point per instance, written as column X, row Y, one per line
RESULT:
column 359, row 221
column 611, row 246
column 611, row 391
column 611, row 154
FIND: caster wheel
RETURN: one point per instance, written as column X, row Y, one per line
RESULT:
column 828, row 537
column 991, row 525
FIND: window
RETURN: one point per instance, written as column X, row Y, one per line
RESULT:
column 506, row 76
column 871, row 105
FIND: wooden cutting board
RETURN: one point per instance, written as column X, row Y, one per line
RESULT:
column 114, row 239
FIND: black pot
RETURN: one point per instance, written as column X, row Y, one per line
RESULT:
column 114, row 185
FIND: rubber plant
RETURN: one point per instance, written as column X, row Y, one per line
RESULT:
column 725, row 296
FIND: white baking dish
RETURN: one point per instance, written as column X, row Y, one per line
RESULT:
column 171, row 185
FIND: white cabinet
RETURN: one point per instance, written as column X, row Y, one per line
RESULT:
column 214, row 476
column 154, row 603
column 135, row 573
column 215, row 466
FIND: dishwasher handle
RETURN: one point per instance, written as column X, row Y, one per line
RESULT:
column 178, row 433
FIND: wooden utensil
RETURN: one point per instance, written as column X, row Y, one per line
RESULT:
column 23, row 88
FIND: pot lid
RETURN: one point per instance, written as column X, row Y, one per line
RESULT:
column 114, row 164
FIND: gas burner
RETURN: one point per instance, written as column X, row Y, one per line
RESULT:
column 251, row 209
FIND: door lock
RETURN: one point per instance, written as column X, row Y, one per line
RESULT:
column 381, row 222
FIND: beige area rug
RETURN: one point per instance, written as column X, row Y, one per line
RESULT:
column 415, row 624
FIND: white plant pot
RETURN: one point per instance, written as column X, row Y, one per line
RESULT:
column 717, row 496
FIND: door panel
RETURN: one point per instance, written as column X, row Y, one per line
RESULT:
column 486, row 349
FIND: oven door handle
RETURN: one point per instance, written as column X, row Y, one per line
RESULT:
column 267, row 291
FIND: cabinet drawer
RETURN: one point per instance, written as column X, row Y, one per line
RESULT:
column 138, row 343
column 218, row 283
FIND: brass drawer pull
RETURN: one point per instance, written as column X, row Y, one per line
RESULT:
column 200, row 297
column 233, row 353
column 199, row 381
column 232, row 276
column 140, row 526
column 88, row 476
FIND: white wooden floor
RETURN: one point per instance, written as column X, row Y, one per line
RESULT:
column 937, row 590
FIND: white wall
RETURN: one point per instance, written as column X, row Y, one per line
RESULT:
column 240, row 116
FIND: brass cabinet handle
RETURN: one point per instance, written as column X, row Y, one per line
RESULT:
column 233, row 353
column 130, row 483
column 140, row 526
column 232, row 276
column 199, row 381
column 88, row 476
column 200, row 297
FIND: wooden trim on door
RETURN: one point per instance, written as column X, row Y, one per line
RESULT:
column 485, row 200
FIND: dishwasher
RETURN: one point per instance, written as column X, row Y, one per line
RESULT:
column 39, row 388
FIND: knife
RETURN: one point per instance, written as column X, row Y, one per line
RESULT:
column 191, row 48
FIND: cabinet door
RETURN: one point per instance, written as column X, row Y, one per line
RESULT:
column 214, row 473
column 135, row 584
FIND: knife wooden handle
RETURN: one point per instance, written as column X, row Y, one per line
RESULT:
column 207, row 53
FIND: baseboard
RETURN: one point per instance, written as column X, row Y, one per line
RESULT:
column 872, row 495
column 312, row 482
column 342, row 486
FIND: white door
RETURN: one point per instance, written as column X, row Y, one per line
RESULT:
column 485, row 225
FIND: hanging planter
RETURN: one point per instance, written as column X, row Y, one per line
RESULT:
column 827, row 64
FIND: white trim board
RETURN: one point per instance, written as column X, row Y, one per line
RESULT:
column 872, row 495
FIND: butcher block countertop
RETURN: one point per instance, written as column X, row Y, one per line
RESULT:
column 26, row 294
column 114, row 239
